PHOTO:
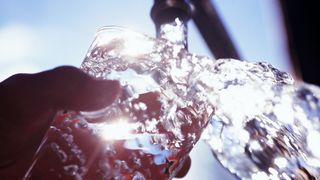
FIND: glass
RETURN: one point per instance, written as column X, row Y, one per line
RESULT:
column 149, row 131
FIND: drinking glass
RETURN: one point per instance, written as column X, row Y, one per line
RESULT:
column 148, row 131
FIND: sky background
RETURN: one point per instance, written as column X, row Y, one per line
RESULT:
column 37, row 35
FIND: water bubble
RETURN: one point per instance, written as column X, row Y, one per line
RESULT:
column 71, row 169
column 54, row 146
column 142, row 106
column 62, row 156
column 138, row 176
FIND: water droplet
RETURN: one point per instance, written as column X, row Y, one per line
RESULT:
column 62, row 156
column 138, row 176
column 71, row 169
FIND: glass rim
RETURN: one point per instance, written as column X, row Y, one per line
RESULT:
column 119, row 29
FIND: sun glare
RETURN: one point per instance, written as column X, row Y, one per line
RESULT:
column 117, row 130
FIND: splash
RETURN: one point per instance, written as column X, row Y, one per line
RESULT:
column 262, row 125
column 265, row 125
column 149, row 131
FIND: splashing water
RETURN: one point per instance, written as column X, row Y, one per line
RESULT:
column 149, row 131
column 265, row 126
column 261, row 125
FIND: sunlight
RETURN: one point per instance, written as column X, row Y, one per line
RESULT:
column 17, row 42
column 120, row 129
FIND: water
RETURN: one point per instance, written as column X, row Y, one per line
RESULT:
column 261, row 124
column 149, row 131
column 266, row 126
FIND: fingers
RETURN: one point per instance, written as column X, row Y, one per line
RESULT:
column 61, row 88
column 76, row 90
column 185, row 168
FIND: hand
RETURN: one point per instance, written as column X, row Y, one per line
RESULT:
column 28, row 103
